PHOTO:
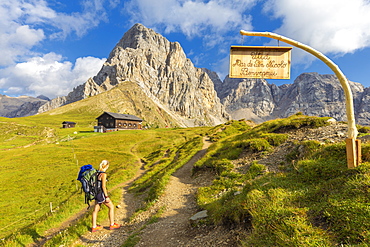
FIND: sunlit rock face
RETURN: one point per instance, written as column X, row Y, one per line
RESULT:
column 311, row 93
column 164, row 73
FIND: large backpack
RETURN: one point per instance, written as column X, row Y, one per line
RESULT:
column 88, row 177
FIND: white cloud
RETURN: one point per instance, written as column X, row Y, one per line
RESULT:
column 330, row 26
column 24, row 24
column 193, row 18
column 48, row 75
column 79, row 23
column 18, row 43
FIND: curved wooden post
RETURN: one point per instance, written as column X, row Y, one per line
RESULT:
column 353, row 154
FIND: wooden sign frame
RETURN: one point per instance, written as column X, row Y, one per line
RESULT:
column 353, row 147
column 263, row 62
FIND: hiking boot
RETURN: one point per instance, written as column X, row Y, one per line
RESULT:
column 114, row 226
column 97, row 228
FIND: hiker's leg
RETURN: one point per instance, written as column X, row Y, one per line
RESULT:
column 111, row 211
column 95, row 214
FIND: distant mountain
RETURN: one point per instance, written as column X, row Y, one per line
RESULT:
column 311, row 93
column 123, row 98
column 162, row 71
column 20, row 106
column 188, row 96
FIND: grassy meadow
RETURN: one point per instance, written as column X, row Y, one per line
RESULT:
column 39, row 162
column 310, row 198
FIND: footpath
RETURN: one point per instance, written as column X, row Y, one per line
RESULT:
column 172, row 228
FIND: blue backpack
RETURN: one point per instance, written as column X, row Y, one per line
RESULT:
column 88, row 177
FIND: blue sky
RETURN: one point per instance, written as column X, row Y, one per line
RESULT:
column 50, row 47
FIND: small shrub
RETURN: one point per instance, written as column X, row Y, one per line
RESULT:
column 319, row 170
column 304, row 150
column 229, row 210
column 364, row 129
column 255, row 145
column 255, row 170
column 222, row 165
column 275, row 139
column 365, row 152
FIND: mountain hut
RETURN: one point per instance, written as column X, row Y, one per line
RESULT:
column 67, row 124
column 115, row 121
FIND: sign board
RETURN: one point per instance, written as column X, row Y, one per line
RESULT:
column 264, row 62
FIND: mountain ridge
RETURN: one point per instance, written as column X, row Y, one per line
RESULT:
column 311, row 93
column 162, row 71
column 197, row 96
column 21, row 106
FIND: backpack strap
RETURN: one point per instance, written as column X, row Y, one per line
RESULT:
column 97, row 181
column 98, row 173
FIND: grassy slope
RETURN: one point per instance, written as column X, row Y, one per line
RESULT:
column 40, row 161
column 313, row 201
column 127, row 97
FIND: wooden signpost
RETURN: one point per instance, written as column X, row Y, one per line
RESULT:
column 264, row 62
column 249, row 66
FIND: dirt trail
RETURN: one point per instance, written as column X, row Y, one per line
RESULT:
column 54, row 231
column 106, row 237
column 178, row 203
column 173, row 227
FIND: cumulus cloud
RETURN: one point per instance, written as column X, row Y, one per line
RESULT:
column 48, row 75
column 80, row 23
column 24, row 24
column 334, row 27
column 18, row 43
column 330, row 26
column 193, row 18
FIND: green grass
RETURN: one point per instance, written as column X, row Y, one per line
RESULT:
column 40, row 160
column 154, row 181
column 315, row 200
column 45, row 172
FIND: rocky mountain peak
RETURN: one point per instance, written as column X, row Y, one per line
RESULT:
column 163, row 72
column 134, row 36
column 139, row 35
column 312, row 94
column 167, row 77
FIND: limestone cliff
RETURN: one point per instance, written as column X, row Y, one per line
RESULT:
column 188, row 94
column 311, row 93
column 163, row 72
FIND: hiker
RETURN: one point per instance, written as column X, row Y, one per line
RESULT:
column 103, row 198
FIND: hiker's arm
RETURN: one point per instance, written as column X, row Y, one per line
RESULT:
column 104, row 184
